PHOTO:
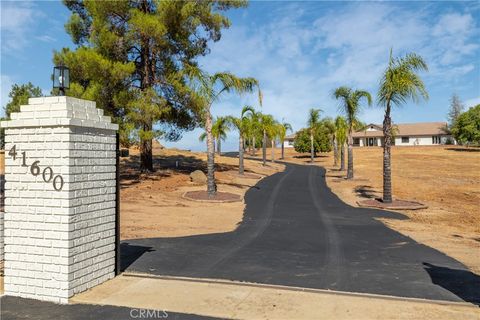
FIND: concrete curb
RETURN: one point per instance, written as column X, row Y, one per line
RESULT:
column 299, row 289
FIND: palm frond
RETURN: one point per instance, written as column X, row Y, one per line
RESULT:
column 313, row 118
column 246, row 109
column 400, row 82
column 287, row 126
column 231, row 83
column 202, row 137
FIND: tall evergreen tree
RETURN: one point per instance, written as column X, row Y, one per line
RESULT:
column 456, row 109
column 130, row 58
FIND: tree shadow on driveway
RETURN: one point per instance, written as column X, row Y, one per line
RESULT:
column 463, row 283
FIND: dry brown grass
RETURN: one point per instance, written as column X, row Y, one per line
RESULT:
column 445, row 178
column 448, row 181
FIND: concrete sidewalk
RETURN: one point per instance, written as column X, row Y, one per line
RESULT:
column 233, row 300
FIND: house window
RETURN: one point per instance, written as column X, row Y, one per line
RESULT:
column 436, row 140
column 290, row 142
column 356, row 141
column 405, row 139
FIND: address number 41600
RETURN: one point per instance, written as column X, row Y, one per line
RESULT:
column 35, row 170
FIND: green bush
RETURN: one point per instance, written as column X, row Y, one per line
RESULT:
column 466, row 128
column 321, row 141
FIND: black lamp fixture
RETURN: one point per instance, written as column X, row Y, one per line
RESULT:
column 61, row 79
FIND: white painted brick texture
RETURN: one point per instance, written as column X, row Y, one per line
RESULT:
column 59, row 243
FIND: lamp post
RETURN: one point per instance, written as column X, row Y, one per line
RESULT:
column 61, row 79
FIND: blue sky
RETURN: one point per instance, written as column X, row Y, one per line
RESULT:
column 299, row 51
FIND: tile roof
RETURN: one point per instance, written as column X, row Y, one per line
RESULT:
column 408, row 129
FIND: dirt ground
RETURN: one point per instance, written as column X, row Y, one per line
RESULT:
column 445, row 178
column 152, row 205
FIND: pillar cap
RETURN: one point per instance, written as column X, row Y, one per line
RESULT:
column 59, row 111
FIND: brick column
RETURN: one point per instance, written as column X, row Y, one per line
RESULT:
column 59, row 198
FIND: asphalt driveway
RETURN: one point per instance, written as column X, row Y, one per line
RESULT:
column 14, row 308
column 296, row 232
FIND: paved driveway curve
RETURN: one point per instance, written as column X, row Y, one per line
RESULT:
column 296, row 232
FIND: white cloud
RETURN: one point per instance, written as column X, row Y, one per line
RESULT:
column 46, row 38
column 16, row 20
column 452, row 35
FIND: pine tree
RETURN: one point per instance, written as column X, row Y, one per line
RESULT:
column 19, row 95
column 130, row 58
column 456, row 108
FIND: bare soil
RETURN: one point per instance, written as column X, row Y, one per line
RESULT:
column 445, row 178
column 152, row 204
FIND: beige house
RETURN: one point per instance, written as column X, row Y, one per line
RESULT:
column 288, row 142
column 406, row 134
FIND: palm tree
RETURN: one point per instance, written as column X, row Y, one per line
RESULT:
column 399, row 83
column 219, row 132
column 351, row 107
column 208, row 89
column 282, row 133
column 252, row 131
column 312, row 124
column 265, row 124
column 341, row 135
column 241, row 124
column 220, row 128
column 273, row 132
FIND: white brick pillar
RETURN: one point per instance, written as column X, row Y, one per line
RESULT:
column 59, row 198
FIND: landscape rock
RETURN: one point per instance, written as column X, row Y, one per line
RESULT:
column 198, row 177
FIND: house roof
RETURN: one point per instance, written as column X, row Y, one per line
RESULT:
column 290, row 136
column 406, row 129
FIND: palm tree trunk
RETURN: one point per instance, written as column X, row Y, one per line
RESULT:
column 264, row 147
column 350, row 155
column 240, row 155
column 342, row 157
column 253, row 146
column 146, row 157
column 387, row 169
column 311, row 148
column 273, row 150
column 219, row 146
column 335, row 152
column 283, row 150
column 211, row 185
